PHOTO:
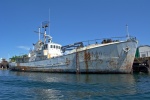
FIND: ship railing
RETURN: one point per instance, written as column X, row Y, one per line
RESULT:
column 96, row 41
column 107, row 40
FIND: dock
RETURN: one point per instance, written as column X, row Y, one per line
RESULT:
column 141, row 65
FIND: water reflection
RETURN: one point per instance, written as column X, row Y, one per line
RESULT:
column 79, row 78
column 4, row 72
column 78, row 86
column 47, row 86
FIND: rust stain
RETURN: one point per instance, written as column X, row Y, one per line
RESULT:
column 25, row 68
column 67, row 61
column 129, row 66
column 129, row 63
column 77, row 63
column 87, row 57
column 113, row 63
column 100, row 61
column 97, row 56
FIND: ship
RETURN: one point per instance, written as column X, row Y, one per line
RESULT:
column 91, row 56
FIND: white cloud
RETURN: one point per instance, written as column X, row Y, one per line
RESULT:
column 23, row 47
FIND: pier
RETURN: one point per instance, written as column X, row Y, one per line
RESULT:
column 141, row 65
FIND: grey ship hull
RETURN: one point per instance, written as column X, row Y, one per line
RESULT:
column 115, row 57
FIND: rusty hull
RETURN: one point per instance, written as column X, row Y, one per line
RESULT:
column 112, row 58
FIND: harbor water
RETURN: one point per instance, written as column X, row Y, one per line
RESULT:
column 52, row 86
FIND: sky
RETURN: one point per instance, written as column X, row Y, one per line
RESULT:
column 70, row 21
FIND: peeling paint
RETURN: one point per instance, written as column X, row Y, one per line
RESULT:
column 95, row 59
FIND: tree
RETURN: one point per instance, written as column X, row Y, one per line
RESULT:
column 13, row 59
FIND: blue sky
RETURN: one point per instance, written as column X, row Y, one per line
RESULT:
column 70, row 21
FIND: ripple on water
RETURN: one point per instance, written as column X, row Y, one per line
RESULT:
column 44, row 86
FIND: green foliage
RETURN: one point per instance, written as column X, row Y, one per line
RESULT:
column 13, row 59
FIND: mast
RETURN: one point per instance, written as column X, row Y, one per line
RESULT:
column 127, row 31
column 39, row 33
column 45, row 36
column 44, row 25
column 49, row 21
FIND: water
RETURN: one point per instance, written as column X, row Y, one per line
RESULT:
column 51, row 86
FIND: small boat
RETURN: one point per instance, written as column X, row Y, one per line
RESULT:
column 92, row 56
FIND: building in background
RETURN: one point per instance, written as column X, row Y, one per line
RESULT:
column 143, row 51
